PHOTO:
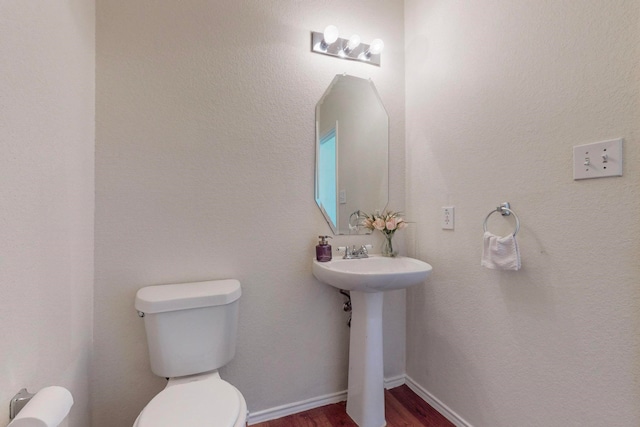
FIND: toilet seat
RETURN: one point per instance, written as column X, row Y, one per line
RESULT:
column 196, row 401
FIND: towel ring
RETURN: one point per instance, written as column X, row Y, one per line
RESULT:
column 504, row 210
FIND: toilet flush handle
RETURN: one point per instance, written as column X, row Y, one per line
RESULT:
column 140, row 314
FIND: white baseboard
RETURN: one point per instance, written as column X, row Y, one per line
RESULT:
column 296, row 407
column 447, row 412
column 328, row 399
column 394, row 382
column 316, row 402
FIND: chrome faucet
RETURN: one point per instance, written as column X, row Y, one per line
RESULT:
column 353, row 253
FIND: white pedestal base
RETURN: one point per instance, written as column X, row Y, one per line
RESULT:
column 365, row 392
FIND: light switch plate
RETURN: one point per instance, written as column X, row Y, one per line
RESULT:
column 342, row 197
column 598, row 159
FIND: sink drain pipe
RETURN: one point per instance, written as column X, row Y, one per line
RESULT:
column 347, row 305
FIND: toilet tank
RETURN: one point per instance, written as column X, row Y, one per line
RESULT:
column 191, row 327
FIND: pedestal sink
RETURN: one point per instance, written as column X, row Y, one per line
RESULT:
column 367, row 279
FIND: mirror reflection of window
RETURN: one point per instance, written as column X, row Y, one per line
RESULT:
column 327, row 178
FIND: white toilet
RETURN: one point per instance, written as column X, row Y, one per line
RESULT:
column 191, row 332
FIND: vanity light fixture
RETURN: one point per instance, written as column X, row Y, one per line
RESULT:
column 329, row 43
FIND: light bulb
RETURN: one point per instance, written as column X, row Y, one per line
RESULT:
column 376, row 47
column 330, row 34
column 354, row 42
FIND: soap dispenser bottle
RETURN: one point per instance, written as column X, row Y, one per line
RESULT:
column 323, row 249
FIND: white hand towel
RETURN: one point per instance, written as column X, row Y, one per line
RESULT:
column 500, row 253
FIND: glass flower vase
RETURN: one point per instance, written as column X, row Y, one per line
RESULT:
column 387, row 246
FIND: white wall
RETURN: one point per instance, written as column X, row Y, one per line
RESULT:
column 498, row 93
column 47, row 58
column 204, row 170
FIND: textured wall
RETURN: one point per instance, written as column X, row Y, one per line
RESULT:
column 47, row 136
column 204, row 170
column 498, row 93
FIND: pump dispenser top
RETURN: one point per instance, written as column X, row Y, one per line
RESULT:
column 323, row 249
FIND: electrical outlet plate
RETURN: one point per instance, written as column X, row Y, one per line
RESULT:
column 448, row 217
column 598, row 159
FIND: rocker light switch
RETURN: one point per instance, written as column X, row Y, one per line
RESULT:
column 598, row 159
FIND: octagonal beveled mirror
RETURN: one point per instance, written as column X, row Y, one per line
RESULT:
column 352, row 153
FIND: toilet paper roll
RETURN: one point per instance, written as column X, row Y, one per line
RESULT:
column 48, row 408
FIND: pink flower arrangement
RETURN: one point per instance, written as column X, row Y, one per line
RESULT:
column 387, row 222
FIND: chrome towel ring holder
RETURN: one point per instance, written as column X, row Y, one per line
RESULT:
column 505, row 210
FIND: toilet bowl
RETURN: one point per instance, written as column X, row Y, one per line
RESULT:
column 199, row 400
column 191, row 332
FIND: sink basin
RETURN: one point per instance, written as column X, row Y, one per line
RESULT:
column 367, row 279
column 373, row 274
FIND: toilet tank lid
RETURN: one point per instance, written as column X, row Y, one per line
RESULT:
column 183, row 296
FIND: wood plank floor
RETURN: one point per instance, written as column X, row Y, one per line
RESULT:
column 403, row 408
